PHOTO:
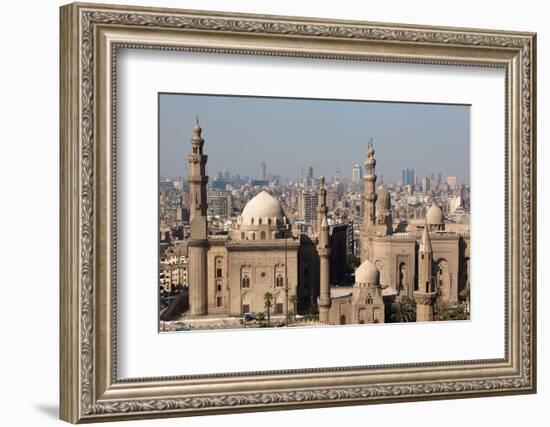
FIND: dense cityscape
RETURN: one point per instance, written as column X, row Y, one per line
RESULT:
column 342, row 205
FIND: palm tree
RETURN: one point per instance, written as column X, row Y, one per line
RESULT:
column 268, row 303
column 403, row 310
column 292, row 300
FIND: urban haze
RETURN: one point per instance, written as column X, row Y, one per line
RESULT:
column 287, row 134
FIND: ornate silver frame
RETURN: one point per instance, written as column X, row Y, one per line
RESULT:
column 90, row 36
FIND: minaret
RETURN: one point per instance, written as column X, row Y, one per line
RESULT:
column 323, row 248
column 322, row 209
column 369, row 196
column 198, row 240
column 425, row 295
column 369, row 201
column 384, row 222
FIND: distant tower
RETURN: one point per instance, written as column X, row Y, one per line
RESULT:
column 426, row 185
column 369, row 196
column 323, row 248
column 337, row 175
column 425, row 295
column 198, row 238
column 264, row 172
column 356, row 174
column 322, row 209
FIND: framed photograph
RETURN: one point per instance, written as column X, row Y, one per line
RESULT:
column 266, row 212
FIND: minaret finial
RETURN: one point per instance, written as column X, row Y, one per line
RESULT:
column 197, row 127
column 370, row 151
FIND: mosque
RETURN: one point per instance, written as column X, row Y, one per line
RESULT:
column 230, row 274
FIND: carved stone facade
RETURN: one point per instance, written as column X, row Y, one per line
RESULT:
column 229, row 275
column 428, row 264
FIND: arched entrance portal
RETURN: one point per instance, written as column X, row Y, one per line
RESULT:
column 402, row 279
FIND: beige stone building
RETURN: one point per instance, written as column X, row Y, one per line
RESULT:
column 230, row 274
column 425, row 263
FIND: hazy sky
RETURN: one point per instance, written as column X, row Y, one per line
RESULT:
column 286, row 133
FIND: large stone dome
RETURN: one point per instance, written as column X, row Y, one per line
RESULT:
column 367, row 273
column 434, row 215
column 262, row 209
column 383, row 199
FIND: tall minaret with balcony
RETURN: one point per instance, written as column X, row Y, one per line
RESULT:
column 322, row 208
column 323, row 248
column 425, row 295
column 198, row 239
column 369, row 200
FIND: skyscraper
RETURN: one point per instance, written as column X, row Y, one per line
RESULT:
column 337, row 175
column 356, row 174
column 307, row 176
column 408, row 177
column 425, row 185
column 264, row 171
column 308, row 205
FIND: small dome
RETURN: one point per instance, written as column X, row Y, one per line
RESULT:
column 367, row 273
column 434, row 216
column 383, row 199
column 262, row 206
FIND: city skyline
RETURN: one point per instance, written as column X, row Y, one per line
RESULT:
column 284, row 132
column 263, row 253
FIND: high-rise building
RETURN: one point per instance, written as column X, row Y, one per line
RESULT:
column 166, row 186
column 264, row 171
column 408, row 177
column 356, row 174
column 451, row 182
column 337, row 176
column 307, row 176
column 308, row 205
column 425, row 185
column 219, row 203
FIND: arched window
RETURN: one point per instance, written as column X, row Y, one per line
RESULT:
column 269, row 221
column 251, row 221
column 262, row 235
column 242, row 235
column 259, row 221
column 402, row 273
